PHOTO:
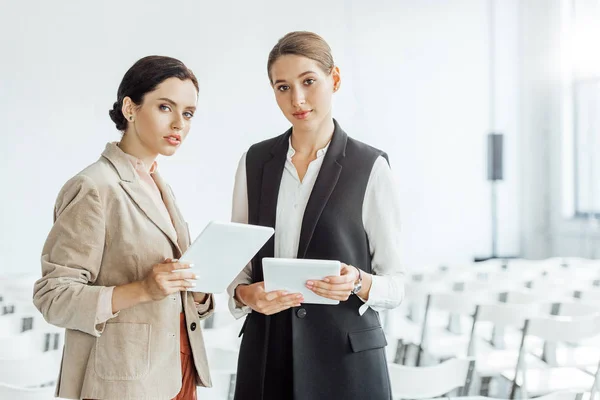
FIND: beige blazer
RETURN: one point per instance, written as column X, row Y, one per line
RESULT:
column 107, row 231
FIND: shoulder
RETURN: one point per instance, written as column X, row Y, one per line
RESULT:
column 93, row 180
column 357, row 148
column 266, row 146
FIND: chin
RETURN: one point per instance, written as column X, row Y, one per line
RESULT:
column 169, row 151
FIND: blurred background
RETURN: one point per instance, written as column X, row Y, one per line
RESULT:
column 488, row 109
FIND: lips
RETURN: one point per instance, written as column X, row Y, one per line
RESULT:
column 302, row 114
column 173, row 139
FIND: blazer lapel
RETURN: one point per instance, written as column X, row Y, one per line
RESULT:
column 183, row 237
column 131, row 184
column 139, row 195
column 324, row 186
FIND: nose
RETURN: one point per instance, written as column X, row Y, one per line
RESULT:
column 177, row 123
column 298, row 97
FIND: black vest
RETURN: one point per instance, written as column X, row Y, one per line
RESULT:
column 335, row 352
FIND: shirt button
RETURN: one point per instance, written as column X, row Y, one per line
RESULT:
column 193, row 326
column 295, row 205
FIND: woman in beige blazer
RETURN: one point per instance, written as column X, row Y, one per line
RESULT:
column 132, row 329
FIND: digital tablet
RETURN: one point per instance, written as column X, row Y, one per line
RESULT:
column 291, row 274
column 221, row 251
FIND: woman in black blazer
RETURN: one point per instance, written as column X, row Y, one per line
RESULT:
column 328, row 196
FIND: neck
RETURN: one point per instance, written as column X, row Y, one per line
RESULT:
column 307, row 142
column 131, row 145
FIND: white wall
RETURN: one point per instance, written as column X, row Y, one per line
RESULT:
column 415, row 83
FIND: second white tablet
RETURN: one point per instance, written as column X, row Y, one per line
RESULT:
column 291, row 274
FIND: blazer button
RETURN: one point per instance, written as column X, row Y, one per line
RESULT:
column 193, row 326
column 301, row 313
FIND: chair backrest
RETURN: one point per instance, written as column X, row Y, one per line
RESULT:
column 590, row 296
column 30, row 343
column 501, row 315
column 41, row 369
column 462, row 303
column 222, row 360
column 576, row 309
column 425, row 382
column 563, row 328
column 14, row 392
column 223, row 370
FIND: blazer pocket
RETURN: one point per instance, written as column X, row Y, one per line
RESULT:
column 367, row 339
column 123, row 351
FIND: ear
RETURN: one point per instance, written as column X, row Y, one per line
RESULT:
column 129, row 108
column 337, row 78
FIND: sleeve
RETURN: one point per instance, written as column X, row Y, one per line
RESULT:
column 71, row 259
column 206, row 308
column 239, row 213
column 381, row 219
column 104, row 311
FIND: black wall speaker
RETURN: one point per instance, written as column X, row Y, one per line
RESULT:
column 495, row 153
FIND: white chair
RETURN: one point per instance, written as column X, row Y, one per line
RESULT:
column 9, row 392
column 404, row 325
column 425, row 382
column 223, row 371
column 28, row 344
column 442, row 345
column 502, row 315
column 536, row 382
column 41, row 369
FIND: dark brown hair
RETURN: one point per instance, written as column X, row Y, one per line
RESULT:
column 143, row 77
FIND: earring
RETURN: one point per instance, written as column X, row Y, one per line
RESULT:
column 131, row 117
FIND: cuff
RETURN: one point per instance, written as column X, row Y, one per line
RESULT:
column 207, row 307
column 377, row 292
column 104, row 308
column 237, row 309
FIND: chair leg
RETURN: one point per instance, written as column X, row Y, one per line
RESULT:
column 419, row 352
column 484, row 388
column 231, row 392
column 513, row 390
column 399, row 351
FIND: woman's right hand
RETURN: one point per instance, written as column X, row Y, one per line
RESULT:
column 162, row 281
column 268, row 303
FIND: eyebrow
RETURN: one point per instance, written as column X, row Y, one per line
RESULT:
column 299, row 76
column 175, row 104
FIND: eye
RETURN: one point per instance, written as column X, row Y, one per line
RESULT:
column 164, row 107
column 188, row 115
column 309, row 81
column 283, row 88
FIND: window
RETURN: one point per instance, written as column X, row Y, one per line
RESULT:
column 583, row 71
column 586, row 118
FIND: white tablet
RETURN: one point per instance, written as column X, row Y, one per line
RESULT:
column 291, row 274
column 221, row 251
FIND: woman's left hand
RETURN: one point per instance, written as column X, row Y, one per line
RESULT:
column 336, row 287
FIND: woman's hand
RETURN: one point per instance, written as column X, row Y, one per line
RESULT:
column 336, row 287
column 255, row 297
column 168, row 278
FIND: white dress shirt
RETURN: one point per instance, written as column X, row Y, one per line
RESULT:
column 380, row 215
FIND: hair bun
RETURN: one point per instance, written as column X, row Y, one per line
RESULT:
column 117, row 117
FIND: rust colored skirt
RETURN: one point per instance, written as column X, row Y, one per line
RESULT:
column 188, row 369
